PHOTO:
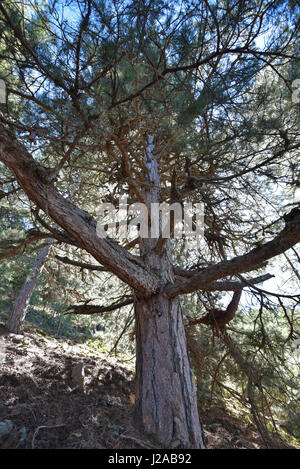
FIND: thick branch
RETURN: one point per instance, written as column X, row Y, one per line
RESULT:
column 34, row 180
column 230, row 285
column 217, row 317
column 287, row 238
column 190, row 273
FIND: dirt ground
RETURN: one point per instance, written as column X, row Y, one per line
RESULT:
column 56, row 394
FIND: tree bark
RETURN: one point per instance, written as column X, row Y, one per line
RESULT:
column 17, row 318
column 166, row 399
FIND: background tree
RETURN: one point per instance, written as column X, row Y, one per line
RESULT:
column 16, row 320
column 163, row 103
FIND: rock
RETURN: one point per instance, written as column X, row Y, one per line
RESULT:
column 18, row 339
column 6, row 426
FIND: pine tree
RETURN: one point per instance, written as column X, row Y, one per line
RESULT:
column 162, row 103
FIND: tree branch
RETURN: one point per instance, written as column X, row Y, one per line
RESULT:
column 34, row 180
column 66, row 260
column 95, row 309
column 184, row 68
column 287, row 238
column 228, row 285
column 5, row 194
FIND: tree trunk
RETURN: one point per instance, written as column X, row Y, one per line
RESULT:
column 16, row 320
column 166, row 400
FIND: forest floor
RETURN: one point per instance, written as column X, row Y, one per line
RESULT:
column 59, row 394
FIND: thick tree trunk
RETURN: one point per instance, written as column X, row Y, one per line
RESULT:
column 16, row 320
column 166, row 401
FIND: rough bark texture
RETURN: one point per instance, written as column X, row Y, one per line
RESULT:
column 166, row 401
column 16, row 320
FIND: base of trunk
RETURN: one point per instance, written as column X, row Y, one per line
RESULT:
column 15, row 322
column 166, row 401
